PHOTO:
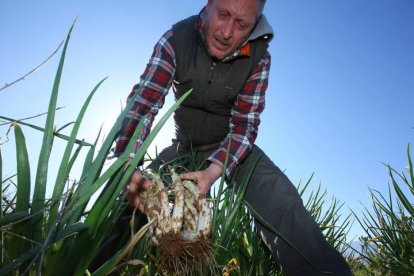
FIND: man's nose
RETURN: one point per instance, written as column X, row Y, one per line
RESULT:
column 227, row 29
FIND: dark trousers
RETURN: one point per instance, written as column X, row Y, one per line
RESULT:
column 271, row 194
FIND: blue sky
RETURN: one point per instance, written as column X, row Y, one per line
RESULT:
column 340, row 99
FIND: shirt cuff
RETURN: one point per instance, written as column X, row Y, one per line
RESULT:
column 219, row 157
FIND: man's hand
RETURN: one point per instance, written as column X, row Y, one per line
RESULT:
column 137, row 183
column 204, row 179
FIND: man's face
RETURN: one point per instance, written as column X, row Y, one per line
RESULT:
column 228, row 24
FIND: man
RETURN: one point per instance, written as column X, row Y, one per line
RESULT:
column 222, row 54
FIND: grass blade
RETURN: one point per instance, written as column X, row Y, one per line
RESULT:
column 1, row 209
column 27, row 256
column 105, row 269
column 89, row 156
column 404, row 200
column 302, row 190
column 122, row 160
column 33, row 252
column 74, row 157
column 23, row 171
column 97, row 217
column 220, row 189
column 22, row 195
column 410, row 167
column 277, row 233
column 12, row 218
column 1, row 184
column 55, row 133
column 90, row 188
column 42, row 167
column 64, row 168
column 95, row 168
column 71, row 230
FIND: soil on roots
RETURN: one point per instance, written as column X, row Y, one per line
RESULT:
column 182, row 256
column 199, row 251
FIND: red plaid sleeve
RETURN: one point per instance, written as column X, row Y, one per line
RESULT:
column 245, row 118
column 155, row 82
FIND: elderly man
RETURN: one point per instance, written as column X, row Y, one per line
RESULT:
column 222, row 54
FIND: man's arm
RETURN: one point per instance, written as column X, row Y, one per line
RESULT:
column 245, row 118
column 155, row 83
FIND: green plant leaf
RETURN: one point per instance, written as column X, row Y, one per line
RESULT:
column 91, row 176
column 105, row 269
column 302, row 190
column 89, row 156
column 23, row 171
column 404, row 200
column 71, row 230
column 221, row 187
column 89, row 189
column 103, row 204
column 410, row 168
column 27, row 256
column 65, row 167
column 1, row 183
column 33, row 252
column 12, row 217
column 74, row 157
column 45, row 151
column 82, row 265
column 59, row 135
column 21, row 230
column 64, row 126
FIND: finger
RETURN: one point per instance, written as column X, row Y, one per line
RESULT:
column 189, row 176
column 202, row 189
column 145, row 184
column 136, row 177
column 134, row 201
column 138, row 182
column 133, row 187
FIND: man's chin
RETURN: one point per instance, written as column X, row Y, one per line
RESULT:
column 218, row 55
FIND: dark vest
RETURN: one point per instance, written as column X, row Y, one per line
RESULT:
column 203, row 118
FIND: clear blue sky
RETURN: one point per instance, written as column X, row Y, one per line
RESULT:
column 340, row 99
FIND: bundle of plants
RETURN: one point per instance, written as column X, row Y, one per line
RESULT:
column 180, row 227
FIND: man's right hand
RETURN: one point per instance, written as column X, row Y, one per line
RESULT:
column 137, row 183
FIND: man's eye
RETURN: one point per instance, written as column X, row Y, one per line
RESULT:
column 223, row 14
column 242, row 25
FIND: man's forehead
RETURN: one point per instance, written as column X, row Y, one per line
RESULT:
column 243, row 9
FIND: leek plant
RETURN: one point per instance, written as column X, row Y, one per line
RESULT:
column 237, row 245
column 388, row 243
column 329, row 216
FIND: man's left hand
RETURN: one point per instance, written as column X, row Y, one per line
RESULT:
column 204, row 179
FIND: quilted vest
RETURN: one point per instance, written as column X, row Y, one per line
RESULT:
column 203, row 118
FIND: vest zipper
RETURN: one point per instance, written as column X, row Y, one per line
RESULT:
column 210, row 74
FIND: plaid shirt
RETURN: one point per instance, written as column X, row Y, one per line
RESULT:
column 156, row 82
